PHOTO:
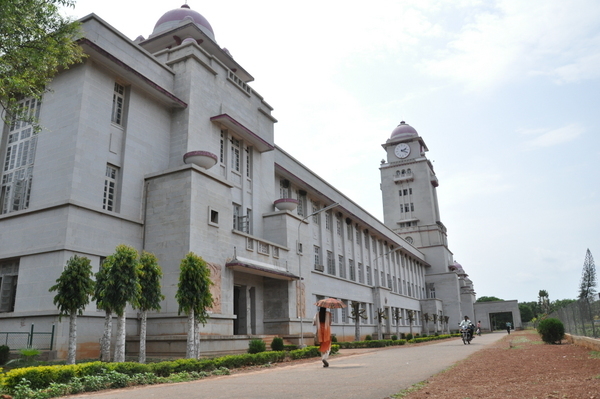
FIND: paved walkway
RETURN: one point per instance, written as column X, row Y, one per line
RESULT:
column 357, row 374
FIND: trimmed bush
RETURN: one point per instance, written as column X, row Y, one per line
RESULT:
column 333, row 338
column 4, row 354
column 368, row 338
column 394, row 337
column 409, row 336
column 551, row 330
column 257, row 346
column 277, row 344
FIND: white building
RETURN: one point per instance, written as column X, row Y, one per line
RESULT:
column 162, row 144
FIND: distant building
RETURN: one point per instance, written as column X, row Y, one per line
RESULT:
column 161, row 144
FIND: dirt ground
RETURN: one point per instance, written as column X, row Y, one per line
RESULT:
column 518, row 366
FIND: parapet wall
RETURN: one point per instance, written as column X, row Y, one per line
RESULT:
column 586, row 342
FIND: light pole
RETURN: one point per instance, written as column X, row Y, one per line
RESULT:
column 298, row 250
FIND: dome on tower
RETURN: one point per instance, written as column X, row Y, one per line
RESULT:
column 174, row 17
column 404, row 131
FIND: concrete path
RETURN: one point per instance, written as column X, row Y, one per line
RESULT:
column 363, row 374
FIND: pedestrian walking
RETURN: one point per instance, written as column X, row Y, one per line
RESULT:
column 322, row 321
column 508, row 326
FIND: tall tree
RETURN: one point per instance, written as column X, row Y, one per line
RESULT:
column 99, row 296
column 149, row 274
column 194, row 298
column 122, row 286
column 35, row 43
column 544, row 301
column 73, row 290
column 356, row 314
column 587, row 287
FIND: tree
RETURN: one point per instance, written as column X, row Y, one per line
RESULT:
column 149, row 275
column 73, row 290
column 544, row 301
column 99, row 296
column 356, row 314
column 380, row 317
column 122, row 286
column 35, row 42
column 488, row 299
column 411, row 317
column 526, row 313
column 194, row 298
column 587, row 287
column 425, row 317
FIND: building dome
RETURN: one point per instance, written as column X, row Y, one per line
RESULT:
column 404, row 131
column 174, row 17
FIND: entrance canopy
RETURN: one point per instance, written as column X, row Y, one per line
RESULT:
column 252, row 266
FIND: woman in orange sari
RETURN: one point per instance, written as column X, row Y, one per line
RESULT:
column 323, row 322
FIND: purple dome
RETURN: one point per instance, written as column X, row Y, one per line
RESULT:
column 172, row 18
column 403, row 131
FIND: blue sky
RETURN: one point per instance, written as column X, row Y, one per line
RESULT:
column 505, row 93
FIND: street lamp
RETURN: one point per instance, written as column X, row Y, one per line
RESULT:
column 298, row 250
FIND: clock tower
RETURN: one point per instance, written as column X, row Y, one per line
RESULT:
column 410, row 203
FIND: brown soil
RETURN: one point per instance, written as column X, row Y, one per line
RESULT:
column 518, row 366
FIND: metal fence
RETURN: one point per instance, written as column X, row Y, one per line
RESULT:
column 31, row 339
column 580, row 318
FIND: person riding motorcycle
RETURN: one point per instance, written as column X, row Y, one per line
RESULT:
column 468, row 324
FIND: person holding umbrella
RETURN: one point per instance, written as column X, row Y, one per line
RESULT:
column 322, row 321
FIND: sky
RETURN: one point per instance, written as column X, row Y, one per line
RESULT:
column 505, row 93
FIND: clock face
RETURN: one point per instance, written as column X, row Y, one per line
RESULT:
column 402, row 150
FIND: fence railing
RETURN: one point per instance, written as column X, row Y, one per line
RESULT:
column 31, row 339
column 580, row 318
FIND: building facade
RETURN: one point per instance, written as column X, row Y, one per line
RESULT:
column 162, row 144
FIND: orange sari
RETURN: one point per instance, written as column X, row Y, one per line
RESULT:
column 323, row 332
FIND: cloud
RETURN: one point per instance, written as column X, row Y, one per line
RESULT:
column 510, row 39
column 549, row 138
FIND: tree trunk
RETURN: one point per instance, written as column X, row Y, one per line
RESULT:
column 410, row 325
column 106, row 337
column 142, row 358
column 189, row 350
column 120, row 344
column 196, row 338
column 72, row 338
column 379, row 328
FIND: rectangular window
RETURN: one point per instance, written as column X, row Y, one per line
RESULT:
column 351, row 269
column 412, row 207
column 349, row 232
column 330, row 263
column 317, row 251
column 117, row 105
column 237, row 211
column 9, row 274
column 110, row 188
column 338, row 226
column 341, row 266
column 301, row 203
column 247, row 222
column 345, row 312
column 358, row 236
column 369, row 280
column 15, row 185
column 249, row 162
column 367, row 241
column 361, row 277
column 328, row 220
column 222, row 148
column 284, row 188
column 235, row 155
column 389, row 281
column 315, row 208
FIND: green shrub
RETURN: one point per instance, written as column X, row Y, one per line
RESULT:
column 4, row 354
column 409, row 336
column 394, row 337
column 368, row 338
column 424, row 335
column 552, row 330
column 257, row 346
column 277, row 344
column 333, row 338
column 130, row 368
column 290, row 347
column 163, row 369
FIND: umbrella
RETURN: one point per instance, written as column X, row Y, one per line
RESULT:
column 330, row 303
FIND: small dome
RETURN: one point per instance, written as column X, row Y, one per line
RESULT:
column 403, row 131
column 172, row 18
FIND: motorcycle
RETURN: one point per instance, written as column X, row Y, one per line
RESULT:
column 466, row 335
